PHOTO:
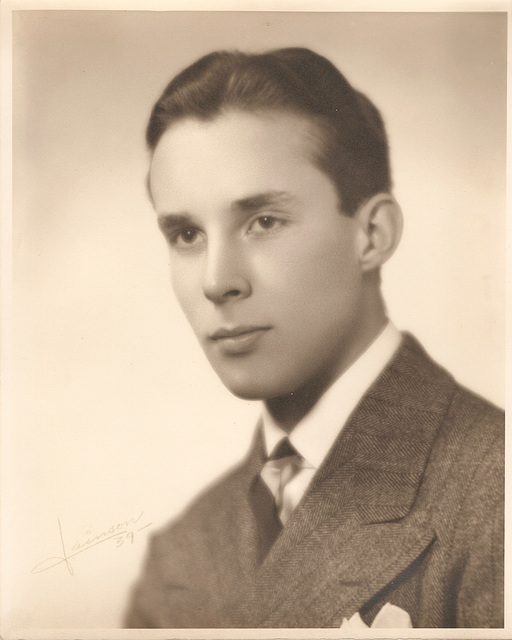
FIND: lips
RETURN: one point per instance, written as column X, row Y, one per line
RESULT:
column 238, row 340
column 235, row 332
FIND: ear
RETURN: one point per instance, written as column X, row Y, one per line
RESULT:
column 380, row 225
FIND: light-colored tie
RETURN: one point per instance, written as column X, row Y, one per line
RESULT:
column 278, row 473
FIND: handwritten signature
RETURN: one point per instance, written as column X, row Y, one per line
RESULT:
column 120, row 533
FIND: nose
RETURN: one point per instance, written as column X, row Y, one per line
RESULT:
column 226, row 275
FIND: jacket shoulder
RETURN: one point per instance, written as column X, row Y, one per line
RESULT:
column 212, row 504
column 436, row 387
column 179, row 585
column 477, row 426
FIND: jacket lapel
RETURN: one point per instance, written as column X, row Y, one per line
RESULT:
column 363, row 521
column 241, row 527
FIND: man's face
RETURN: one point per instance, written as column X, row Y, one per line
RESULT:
column 264, row 264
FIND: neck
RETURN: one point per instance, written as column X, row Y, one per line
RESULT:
column 289, row 409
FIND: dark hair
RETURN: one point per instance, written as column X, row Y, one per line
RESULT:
column 354, row 149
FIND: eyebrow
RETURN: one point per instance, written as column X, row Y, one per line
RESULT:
column 172, row 220
column 260, row 201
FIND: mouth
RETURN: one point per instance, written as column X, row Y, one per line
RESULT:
column 236, row 332
column 238, row 340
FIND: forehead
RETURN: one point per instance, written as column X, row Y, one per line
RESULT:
column 236, row 150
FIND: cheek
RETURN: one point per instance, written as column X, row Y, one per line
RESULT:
column 318, row 280
column 334, row 268
column 187, row 288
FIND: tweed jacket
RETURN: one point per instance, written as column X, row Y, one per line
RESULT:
column 407, row 508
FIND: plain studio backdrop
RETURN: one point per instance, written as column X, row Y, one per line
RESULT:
column 118, row 419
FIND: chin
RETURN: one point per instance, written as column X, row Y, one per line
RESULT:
column 249, row 392
column 252, row 389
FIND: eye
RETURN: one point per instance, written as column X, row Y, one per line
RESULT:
column 264, row 223
column 187, row 235
column 184, row 237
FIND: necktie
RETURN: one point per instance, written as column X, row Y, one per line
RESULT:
column 268, row 500
column 278, row 472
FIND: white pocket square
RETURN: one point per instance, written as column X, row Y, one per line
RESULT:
column 389, row 617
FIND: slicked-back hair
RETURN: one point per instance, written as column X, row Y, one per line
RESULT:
column 353, row 150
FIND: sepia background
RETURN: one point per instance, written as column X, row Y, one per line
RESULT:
column 118, row 419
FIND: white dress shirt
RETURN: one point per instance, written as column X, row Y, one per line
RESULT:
column 315, row 434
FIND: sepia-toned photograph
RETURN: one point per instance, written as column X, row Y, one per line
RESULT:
column 257, row 342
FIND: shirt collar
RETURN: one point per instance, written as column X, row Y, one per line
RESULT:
column 314, row 435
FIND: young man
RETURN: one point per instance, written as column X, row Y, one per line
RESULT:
column 373, row 492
